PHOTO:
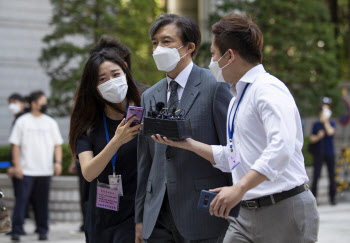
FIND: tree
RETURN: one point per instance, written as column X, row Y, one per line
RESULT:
column 343, row 37
column 299, row 46
column 78, row 25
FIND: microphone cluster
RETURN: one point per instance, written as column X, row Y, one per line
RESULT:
column 167, row 123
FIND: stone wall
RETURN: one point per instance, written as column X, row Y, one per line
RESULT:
column 64, row 197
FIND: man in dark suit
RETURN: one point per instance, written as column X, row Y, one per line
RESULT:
column 170, row 179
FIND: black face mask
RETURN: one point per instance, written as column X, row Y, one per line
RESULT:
column 43, row 109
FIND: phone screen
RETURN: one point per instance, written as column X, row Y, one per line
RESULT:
column 134, row 111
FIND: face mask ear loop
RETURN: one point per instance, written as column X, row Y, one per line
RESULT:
column 221, row 57
column 184, row 55
column 180, row 48
column 229, row 62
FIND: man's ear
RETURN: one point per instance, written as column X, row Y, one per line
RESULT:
column 191, row 47
column 231, row 55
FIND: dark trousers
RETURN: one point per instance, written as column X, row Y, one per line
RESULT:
column 15, row 183
column 84, row 195
column 38, row 188
column 318, row 160
column 165, row 229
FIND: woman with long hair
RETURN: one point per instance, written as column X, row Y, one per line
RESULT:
column 105, row 144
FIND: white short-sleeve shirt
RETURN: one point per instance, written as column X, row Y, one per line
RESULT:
column 37, row 138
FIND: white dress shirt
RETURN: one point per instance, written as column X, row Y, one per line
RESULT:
column 181, row 79
column 267, row 135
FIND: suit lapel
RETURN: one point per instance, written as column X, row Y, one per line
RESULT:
column 160, row 96
column 191, row 90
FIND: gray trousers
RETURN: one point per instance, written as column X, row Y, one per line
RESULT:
column 293, row 220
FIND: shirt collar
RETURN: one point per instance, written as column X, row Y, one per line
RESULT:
column 182, row 78
column 248, row 77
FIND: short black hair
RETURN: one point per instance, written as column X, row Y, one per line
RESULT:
column 113, row 44
column 188, row 29
column 35, row 95
column 16, row 96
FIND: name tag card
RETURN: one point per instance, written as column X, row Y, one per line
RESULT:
column 115, row 182
column 234, row 159
column 106, row 197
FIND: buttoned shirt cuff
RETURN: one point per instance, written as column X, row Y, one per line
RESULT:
column 221, row 158
column 262, row 167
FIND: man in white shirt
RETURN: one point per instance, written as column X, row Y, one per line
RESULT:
column 264, row 142
column 35, row 139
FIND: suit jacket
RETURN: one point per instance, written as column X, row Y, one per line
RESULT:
column 181, row 173
column 141, row 87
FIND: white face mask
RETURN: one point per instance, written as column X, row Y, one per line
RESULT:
column 166, row 59
column 14, row 108
column 216, row 70
column 114, row 90
column 327, row 113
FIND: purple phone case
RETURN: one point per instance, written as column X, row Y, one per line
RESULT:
column 134, row 111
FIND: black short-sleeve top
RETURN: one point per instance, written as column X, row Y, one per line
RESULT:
column 126, row 166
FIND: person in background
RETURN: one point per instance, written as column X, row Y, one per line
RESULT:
column 169, row 179
column 323, row 149
column 17, row 106
column 102, row 140
column 264, row 142
column 35, row 139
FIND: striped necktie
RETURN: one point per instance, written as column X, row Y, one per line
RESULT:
column 174, row 98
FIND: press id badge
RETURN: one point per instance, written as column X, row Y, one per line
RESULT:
column 234, row 159
column 107, row 197
column 115, row 182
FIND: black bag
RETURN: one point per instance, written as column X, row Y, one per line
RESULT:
column 5, row 221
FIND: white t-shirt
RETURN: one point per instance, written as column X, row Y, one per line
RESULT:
column 37, row 138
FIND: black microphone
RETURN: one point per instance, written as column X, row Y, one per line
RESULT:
column 160, row 106
column 150, row 109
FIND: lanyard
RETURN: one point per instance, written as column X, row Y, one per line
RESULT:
column 114, row 158
column 231, row 130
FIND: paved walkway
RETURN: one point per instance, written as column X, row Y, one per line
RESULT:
column 59, row 232
column 334, row 228
column 335, row 223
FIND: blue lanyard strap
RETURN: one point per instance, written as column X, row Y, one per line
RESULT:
column 114, row 158
column 231, row 129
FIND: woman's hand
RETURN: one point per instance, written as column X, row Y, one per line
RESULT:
column 125, row 133
column 184, row 144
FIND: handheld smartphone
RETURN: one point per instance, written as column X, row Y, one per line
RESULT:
column 205, row 199
column 134, row 111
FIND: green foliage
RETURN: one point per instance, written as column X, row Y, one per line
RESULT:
column 5, row 155
column 78, row 25
column 343, row 39
column 66, row 159
column 299, row 46
column 308, row 158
